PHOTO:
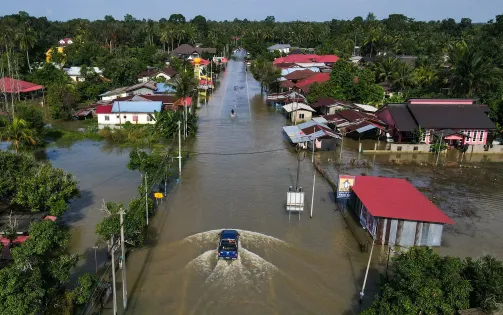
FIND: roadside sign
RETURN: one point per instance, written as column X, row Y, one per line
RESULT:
column 344, row 186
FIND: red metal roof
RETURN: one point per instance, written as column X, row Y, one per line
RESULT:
column 300, row 74
column 308, row 58
column 398, row 199
column 318, row 77
column 287, row 84
column 20, row 239
column 327, row 59
column 10, row 85
column 104, row 109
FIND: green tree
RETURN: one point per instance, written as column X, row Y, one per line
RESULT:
column 62, row 99
column 46, row 189
column 32, row 115
column 486, row 277
column 265, row 73
column 423, row 282
column 18, row 133
column 186, row 86
column 27, row 40
column 48, row 75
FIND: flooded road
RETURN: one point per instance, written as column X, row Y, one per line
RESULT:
column 239, row 179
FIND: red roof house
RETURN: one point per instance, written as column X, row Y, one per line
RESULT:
column 104, row 109
column 395, row 212
column 10, row 85
column 306, row 83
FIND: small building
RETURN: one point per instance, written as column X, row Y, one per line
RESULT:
column 304, row 134
column 75, row 73
column 299, row 74
column 306, row 83
column 329, row 106
column 187, row 51
column 282, row 48
column 285, row 97
column 122, row 112
column 424, row 117
column 395, row 213
column 62, row 43
column 298, row 112
column 144, row 88
column 165, row 74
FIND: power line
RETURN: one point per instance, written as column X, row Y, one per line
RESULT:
column 235, row 153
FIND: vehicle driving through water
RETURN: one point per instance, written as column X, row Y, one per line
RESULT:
column 228, row 244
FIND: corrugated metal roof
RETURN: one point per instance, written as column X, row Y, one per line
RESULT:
column 297, row 106
column 396, row 198
column 365, row 128
column 136, row 107
column 320, row 120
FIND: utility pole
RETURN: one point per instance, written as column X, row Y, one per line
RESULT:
column 124, row 286
column 314, row 181
column 366, row 272
column 179, row 150
column 342, row 145
column 146, row 197
column 439, row 146
column 113, row 278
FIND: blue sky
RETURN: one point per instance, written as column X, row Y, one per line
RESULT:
column 283, row 10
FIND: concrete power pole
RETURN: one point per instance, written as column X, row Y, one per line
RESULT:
column 114, row 289
column 146, row 197
column 179, row 150
column 124, row 286
column 314, row 181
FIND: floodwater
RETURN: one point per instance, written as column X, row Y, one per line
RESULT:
column 103, row 176
column 238, row 179
column 306, row 266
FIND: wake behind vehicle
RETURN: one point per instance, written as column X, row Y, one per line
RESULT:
column 228, row 244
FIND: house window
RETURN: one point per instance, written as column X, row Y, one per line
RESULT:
column 475, row 135
column 135, row 118
column 107, row 118
column 469, row 134
column 149, row 118
column 118, row 116
column 301, row 116
column 481, row 135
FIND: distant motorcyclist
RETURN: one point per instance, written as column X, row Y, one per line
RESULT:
column 232, row 112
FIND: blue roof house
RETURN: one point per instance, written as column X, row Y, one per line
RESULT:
column 121, row 112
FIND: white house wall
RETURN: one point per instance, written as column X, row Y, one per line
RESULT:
column 435, row 234
column 113, row 97
column 142, row 91
column 113, row 119
column 407, row 233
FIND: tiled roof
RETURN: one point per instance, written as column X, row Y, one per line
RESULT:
column 299, row 74
column 10, row 85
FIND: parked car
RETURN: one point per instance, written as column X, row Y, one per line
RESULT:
column 228, row 244
column 497, row 141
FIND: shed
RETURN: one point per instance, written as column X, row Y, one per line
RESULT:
column 298, row 112
column 394, row 212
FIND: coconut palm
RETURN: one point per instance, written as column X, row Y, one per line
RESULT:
column 402, row 75
column 164, row 36
column 471, row 73
column 17, row 132
column 384, row 68
column 26, row 38
column 186, row 86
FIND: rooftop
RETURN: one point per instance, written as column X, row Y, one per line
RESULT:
column 397, row 199
column 318, row 77
column 300, row 74
column 136, row 107
column 292, row 107
column 10, row 85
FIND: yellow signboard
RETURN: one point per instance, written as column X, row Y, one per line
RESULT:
column 344, row 187
column 158, row 195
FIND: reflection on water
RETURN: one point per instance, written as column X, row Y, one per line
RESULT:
column 102, row 175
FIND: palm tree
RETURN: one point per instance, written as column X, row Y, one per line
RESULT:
column 384, row 68
column 186, row 86
column 471, row 73
column 18, row 132
column 402, row 75
column 164, row 36
column 27, row 40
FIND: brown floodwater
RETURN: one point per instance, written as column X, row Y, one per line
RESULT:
column 285, row 266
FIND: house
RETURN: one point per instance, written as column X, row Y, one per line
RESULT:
column 186, row 51
column 300, row 74
column 355, row 123
column 285, row 97
column 75, row 73
column 120, row 113
column 14, row 86
column 62, row 43
column 323, row 60
column 168, row 101
column 304, row 134
column 298, row 112
column 465, row 122
column 165, row 74
column 328, row 106
column 137, row 89
column 305, row 84
column 395, row 213
column 282, row 48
